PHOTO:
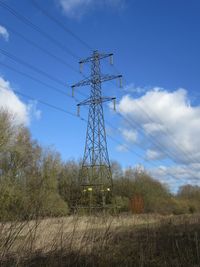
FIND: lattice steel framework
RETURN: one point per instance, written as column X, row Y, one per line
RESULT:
column 95, row 174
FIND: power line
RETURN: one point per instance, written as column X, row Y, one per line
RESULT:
column 56, row 108
column 157, row 144
column 96, row 153
column 41, row 72
column 130, row 150
column 49, row 86
column 138, row 155
column 152, row 140
column 166, row 132
column 60, row 24
column 80, row 40
column 44, row 34
column 43, row 102
column 22, row 62
column 81, row 118
column 126, row 146
column 35, row 79
column 53, row 88
column 28, row 22
column 89, row 47
column 36, row 28
column 174, row 141
column 60, row 60
column 59, row 91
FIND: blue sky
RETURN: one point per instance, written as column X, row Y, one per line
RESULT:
column 156, row 47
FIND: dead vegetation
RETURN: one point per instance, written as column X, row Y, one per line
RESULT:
column 35, row 184
column 143, row 240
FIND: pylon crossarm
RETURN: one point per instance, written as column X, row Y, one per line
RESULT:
column 84, row 103
column 95, row 56
column 105, row 78
column 105, row 55
column 84, row 82
column 96, row 100
column 106, row 99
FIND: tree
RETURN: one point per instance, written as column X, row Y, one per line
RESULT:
column 69, row 186
column 189, row 196
column 6, row 130
column 156, row 196
column 116, row 169
column 28, row 174
column 137, row 184
column 189, row 192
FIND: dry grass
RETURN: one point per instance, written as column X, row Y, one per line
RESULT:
column 143, row 240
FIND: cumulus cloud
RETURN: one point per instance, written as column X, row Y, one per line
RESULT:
column 77, row 8
column 4, row 33
column 168, row 128
column 154, row 155
column 169, row 119
column 129, row 135
column 33, row 110
column 11, row 102
column 131, row 88
column 177, row 175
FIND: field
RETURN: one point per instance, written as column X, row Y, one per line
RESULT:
column 128, row 240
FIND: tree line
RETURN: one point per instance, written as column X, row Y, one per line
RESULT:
column 35, row 181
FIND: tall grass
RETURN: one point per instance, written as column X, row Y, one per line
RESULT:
column 140, row 241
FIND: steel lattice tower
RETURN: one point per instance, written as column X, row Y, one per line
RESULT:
column 95, row 174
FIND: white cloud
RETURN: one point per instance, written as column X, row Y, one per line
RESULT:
column 131, row 88
column 177, row 175
column 77, row 8
column 169, row 128
column 129, row 135
column 11, row 102
column 33, row 110
column 4, row 33
column 169, row 119
column 154, row 155
column 122, row 148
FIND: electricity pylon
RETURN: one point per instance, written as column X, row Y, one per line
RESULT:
column 95, row 174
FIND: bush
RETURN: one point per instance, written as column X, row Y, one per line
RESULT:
column 54, row 205
column 121, row 204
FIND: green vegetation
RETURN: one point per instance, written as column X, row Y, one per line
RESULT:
column 36, row 182
column 29, row 175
